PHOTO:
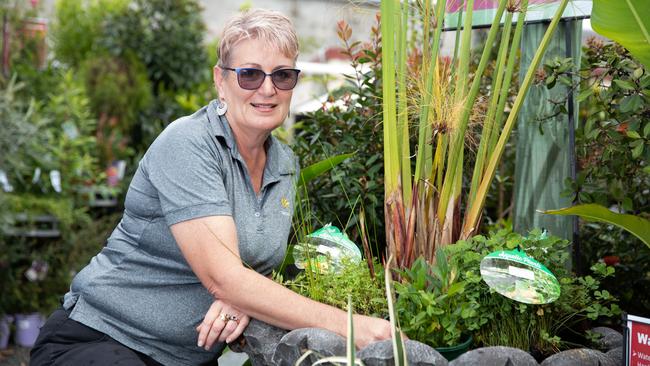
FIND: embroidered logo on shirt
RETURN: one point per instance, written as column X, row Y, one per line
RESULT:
column 284, row 202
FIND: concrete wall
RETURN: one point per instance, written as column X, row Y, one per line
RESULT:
column 315, row 20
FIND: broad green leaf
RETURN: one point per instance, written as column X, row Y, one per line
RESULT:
column 585, row 94
column 633, row 134
column 637, row 151
column 631, row 103
column 321, row 167
column 626, row 22
column 638, row 226
column 625, row 85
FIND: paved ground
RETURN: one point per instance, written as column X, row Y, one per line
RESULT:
column 19, row 356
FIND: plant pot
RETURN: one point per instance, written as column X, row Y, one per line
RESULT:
column 27, row 328
column 5, row 330
column 452, row 352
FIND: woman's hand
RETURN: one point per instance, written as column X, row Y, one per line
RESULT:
column 221, row 323
column 368, row 330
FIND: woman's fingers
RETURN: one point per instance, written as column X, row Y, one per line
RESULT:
column 218, row 327
column 207, row 326
column 221, row 323
column 241, row 325
column 230, row 327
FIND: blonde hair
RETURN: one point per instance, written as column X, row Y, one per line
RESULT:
column 269, row 26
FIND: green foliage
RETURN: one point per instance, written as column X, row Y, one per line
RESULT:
column 612, row 151
column 78, row 25
column 638, row 226
column 348, row 122
column 20, row 127
column 540, row 329
column 627, row 23
column 333, row 288
column 55, row 134
column 58, row 135
column 166, row 36
column 432, row 305
column 117, row 87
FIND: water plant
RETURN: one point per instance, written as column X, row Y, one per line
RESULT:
column 423, row 206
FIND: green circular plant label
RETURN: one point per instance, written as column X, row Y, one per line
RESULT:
column 517, row 276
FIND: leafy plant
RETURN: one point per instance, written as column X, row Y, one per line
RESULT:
column 539, row 329
column 431, row 303
column 423, row 207
column 366, row 290
column 118, row 89
column 78, row 25
column 166, row 36
column 592, row 212
column 612, row 152
column 348, row 122
column 19, row 130
column 626, row 22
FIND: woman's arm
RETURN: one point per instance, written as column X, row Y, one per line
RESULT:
column 209, row 245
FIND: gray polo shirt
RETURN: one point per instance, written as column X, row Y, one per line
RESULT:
column 139, row 289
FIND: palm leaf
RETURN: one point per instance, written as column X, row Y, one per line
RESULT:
column 638, row 226
column 626, row 22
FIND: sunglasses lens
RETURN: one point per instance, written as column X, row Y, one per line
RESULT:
column 285, row 79
column 250, row 78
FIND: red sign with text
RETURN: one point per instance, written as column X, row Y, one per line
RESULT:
column 639, row 341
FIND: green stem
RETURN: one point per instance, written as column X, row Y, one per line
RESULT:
column 475, row 209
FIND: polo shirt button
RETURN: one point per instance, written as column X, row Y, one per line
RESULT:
column 257, row 214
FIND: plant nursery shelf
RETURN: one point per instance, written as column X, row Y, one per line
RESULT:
column 42, row 226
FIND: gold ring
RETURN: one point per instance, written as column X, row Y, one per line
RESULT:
column 224, row 317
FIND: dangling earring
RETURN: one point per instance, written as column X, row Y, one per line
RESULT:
column 222, row 107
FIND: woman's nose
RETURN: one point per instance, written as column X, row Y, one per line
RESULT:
column 267, row 87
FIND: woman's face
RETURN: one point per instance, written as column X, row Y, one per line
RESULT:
column 262, row 109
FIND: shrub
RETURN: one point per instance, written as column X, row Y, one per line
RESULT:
column 612, row 152
column 539, row 329
column 349, row 121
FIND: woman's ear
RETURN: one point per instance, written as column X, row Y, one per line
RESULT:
column 217, row 76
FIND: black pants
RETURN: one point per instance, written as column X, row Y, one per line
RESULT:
column 65, row 342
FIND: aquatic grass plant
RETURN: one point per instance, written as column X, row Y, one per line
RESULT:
column 423, row 204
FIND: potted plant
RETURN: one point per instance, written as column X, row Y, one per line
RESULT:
column 544, row 329
column 36, row 292
column 433, row 308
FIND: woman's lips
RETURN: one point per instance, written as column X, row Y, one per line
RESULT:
column 264, row 107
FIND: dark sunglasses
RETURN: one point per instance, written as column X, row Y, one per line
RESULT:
column 251, row 78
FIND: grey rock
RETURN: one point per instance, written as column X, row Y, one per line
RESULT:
column 495, row 356
column 297, row 342
column 580, row 357
column 609, row 339
column 418, row 354
column 259, row 342
column 616, row 354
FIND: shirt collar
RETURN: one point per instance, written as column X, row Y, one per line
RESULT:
column 278, row 160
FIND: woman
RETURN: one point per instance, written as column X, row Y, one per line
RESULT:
column 207, row 217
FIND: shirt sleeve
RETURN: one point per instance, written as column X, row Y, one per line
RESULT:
column 186, row 173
